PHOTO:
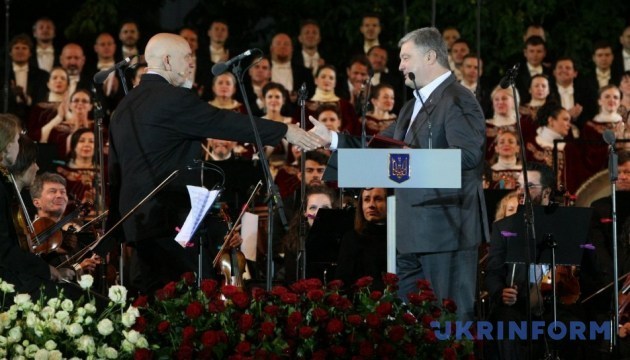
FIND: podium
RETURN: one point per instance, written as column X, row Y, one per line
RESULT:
column 400, row 168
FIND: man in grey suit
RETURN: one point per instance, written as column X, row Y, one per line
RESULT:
column 438, row 230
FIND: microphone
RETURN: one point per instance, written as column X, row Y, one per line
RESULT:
column 100, row 76
column 509, row 76
column 412, row 77
column 609, row 137
column 219, row 68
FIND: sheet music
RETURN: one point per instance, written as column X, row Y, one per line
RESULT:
column 201, row 199
column 249, row 233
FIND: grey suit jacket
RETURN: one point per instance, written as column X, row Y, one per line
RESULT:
column 433, row 220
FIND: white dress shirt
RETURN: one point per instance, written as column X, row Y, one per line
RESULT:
column 282, row 74
column 45, row 58
column 566, row 96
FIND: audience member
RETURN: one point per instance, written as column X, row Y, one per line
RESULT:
column 309, row 54
column 380, row 117
column 45, row 51
column 286, row 72
column 459, row 50
column 507, row 165
column 259, row 76
column 472, row 71
column 603, row 73
column 621, row 61
column 129, row 36
column 575, row 95
column 504, row 116
column 81, row 171
column 201, row 73
column 325, row 93
column 534, row 54
column 72, row 59
column 55, row 104
column 378, row 59
column 328, row 114
column 352, row 88
column 624, row 107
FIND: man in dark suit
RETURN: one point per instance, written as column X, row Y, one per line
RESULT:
column 621, row 62
column 72, row 59
column 574, row 93
column 158, row 128
column 438, row 230
column 285, row 70
column 533, row 64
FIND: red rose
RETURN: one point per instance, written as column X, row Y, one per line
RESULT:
column 294, row 319
column 163, row 327
column 384, row 309
column 410, row 349
column 278, row 290
column 436, row 312
column 366, row 349
column 333, row 299
column 364, row 282
column 241, row 300
column 245, row 322
column 338, row 350
column 170, row 289
column 396, row 333
column 210, row 338
column 449, row 354
column 313, row 283
column 319, row 355
column 373, row 321
column 258, row 294
column 390, row 279
column 194, row 310
column 334, row 326
column 189, row 278
column 306, row 332
column 243, row 347
column 289, row 298
column 429, row 336
column 426, row 320
column 315, row 295
column 142, row 354
column 217, row 306
column 449, row 305
column 229, row 290
column 299, row 287
column 140, row 324
column 428, row 295
column 208, row 287
column 385, row 349
column 267, row 328
column 272, row 310
column 414, row 299
column 141, row 301
column 355, row 320
column 423, row 284
column 160, row 295
column 376, row 295
column 335, row 285
column 343, row 304
column 188, row 333
column 409, row 319
column 185, row 352
column 320, row 314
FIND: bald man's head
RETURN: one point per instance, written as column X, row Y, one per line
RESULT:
column 170, row 56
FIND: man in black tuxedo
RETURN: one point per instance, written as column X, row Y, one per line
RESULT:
column 621, row 62
column 534, row 54
column 574, row 93
column 156, row 129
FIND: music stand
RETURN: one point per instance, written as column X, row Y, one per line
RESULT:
column 324, row 238
column 560, row 234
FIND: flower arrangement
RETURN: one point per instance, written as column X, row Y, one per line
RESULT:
column 307, row 320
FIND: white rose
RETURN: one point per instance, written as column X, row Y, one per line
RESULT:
column 133, row 310
column 86, row 344
column 62, row 316
column 3, row 353
column 127, row 346
column 50, row 345
column 67, row 305
column 15, row 335
column 74, row 329
column 78, row 319
column 31, row 350
column 36, row 308
column 118, row 294
column 31, row 320
column 13, row 312
column 55, row 326
column 23, row 301
column 47, row 313
column 142, row 343
column 132, row 336
column 5, row 320
column 111, row 353
column 86, row 281
column 41, row 354
column 7, row 288
column 81, row 311
column 90, row 308
column 105, row 327
column 3, row 342
column 39, row 328
column 128, row 319
column 54, row 303
column 88, row 320
column 18, row 349
column 55, row 355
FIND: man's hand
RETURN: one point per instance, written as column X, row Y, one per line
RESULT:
column 59, row 275
column 575, row 111
column 304, row 140
column 321, row 131
column 509, row 296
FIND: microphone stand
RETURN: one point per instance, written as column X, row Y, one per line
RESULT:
column 123, row 81
column 273, row 193
column 613, row 175
column 364, row 106
column 98, row 129
column 7, row 13
column 530, row 233
column 301, row 259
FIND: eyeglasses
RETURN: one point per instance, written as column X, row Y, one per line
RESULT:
column 82, row 101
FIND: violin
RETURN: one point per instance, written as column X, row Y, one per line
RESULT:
column 567, row 284
column 50, row 237
column 231, row 262
column 19, row 214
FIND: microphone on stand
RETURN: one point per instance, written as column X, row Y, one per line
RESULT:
column 101, row 76
column 366, row 98
column 509, row 77
column 220, row 68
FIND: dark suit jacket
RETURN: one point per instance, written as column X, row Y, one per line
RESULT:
column 583, row 95
column 35, row 88
column 432, row 220
column 523, row 78
column 617, row 69
column 156, row 129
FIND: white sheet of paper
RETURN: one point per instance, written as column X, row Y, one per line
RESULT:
column 201, row 200
column 249, row 233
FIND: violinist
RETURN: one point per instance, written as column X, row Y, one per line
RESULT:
column 51, row 199
column 28, row 272
column 507, row 283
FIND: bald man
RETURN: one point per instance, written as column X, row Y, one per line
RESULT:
column 158, row 128
column 72, row 59
column 291, row 74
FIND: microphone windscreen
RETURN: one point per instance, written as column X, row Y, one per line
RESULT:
column 411, row 76
column 218, row 69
